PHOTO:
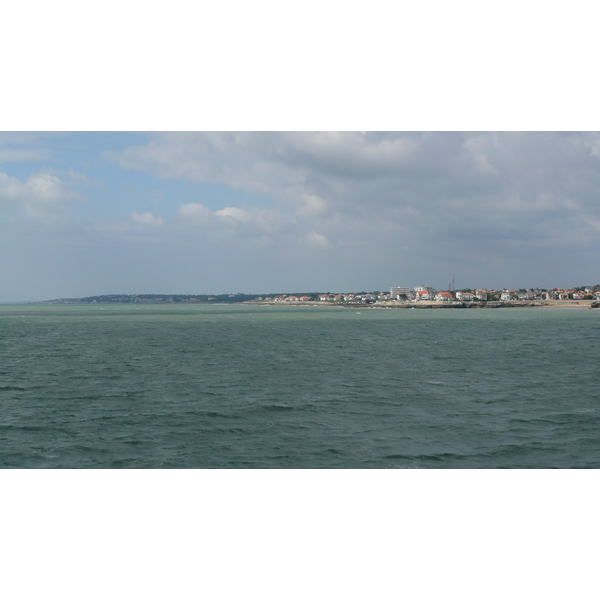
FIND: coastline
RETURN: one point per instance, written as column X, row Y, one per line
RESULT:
column 423, row 305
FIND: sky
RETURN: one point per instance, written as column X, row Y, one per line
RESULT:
column 105, row 213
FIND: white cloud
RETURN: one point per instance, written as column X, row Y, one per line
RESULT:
column 195, row 213
column 80, row 178
column 333, row 209
column 442, row 195
column 21, row 146
column 310, row 205
column 270, row 162
column 20, row 155
column 246, row 222
column 475, row 147
column 238, row 214
column 42, row 196
column 147, row 219
column 316, row 240
column 255, row 219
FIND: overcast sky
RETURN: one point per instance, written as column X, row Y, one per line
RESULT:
column 103, row 213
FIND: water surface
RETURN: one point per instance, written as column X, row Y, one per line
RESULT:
column 159, row 386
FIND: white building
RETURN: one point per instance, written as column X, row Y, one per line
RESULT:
column 398, row 291
column 443, row 297
column 464, row 296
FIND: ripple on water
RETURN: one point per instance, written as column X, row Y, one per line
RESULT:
column 297, row 388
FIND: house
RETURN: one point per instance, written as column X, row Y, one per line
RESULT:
column 554, row 293
column 425, row 288
column 464, row 296
column 443, row 297
column 422, row 295
column 481, row 294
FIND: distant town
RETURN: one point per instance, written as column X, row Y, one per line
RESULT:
column 399, row 296
column 428, row 294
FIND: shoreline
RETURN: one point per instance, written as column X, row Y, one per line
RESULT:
column 562, row 304
column 421, row 305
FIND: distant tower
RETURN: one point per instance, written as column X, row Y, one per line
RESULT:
column 452, row 281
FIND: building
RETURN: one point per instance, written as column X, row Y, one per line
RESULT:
column 464, row 296
column 443, row 297
column 481, row 294
column 395, row 292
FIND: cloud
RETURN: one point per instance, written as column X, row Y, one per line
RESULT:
column 443, row 195
column 237, row 214
column 17, row 146
column 262, row 161
column 147, row 219
column 195, row 213
column 20, row 155
column 349, row 210
column 309, row 205
column 244, row 221
column 316, row 240
column 42, row 196
column 256, row 219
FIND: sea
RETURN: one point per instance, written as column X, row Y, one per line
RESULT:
column 311, row 387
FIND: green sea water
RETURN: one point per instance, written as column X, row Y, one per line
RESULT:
column 230, row 386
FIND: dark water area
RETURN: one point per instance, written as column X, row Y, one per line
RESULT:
column 160, row 386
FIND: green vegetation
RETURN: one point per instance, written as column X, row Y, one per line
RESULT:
column 161, row 298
